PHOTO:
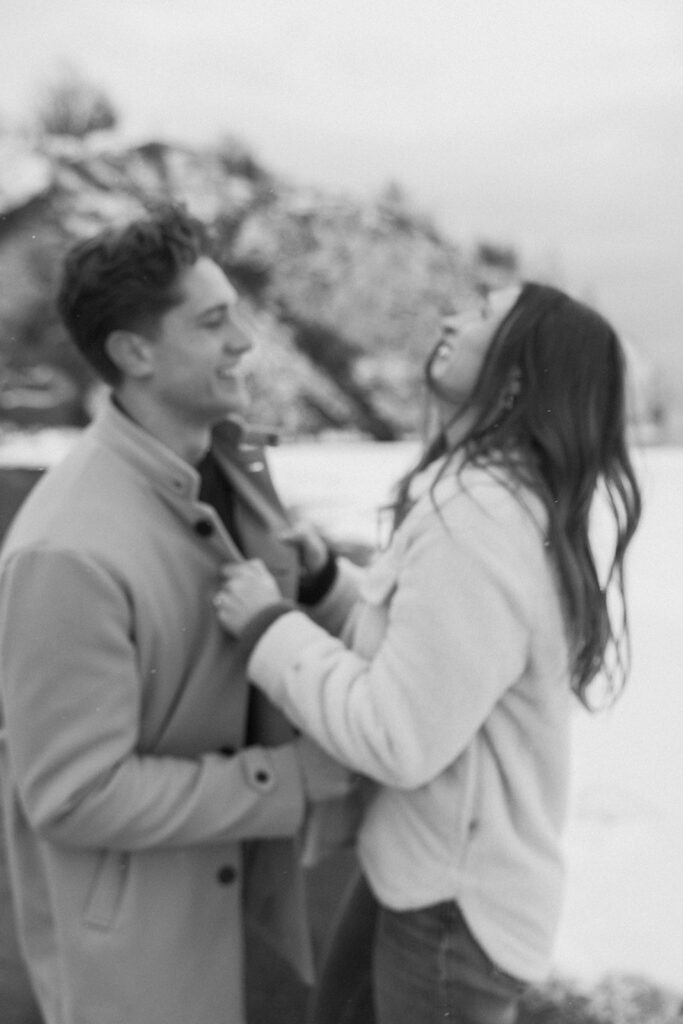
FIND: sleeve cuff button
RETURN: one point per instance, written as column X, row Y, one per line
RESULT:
column 226, row 875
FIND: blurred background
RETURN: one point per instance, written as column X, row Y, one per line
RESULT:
column 362, row 166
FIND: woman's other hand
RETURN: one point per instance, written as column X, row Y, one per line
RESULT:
column 248, row 589
column 324, row 778
column 312, row 550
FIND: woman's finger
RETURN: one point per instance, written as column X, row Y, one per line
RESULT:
column 249, row 567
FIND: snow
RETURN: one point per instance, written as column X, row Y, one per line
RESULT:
column 624, row 905
column 625, row 840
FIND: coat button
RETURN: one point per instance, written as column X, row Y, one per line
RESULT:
column 226, row 875
column 262, row 776
column 203, row 527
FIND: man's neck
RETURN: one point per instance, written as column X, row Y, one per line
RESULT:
column 189, row 441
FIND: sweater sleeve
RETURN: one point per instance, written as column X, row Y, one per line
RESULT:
column 457, row 635
column 72, row 703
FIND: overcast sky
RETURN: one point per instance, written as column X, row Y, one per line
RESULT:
column 553, row 125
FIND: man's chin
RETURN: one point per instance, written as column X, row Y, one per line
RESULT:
column 232, row 411
column 236, row 402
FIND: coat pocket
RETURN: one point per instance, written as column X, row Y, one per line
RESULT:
column 106, row 890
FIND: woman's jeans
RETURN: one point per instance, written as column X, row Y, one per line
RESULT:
column 427, row 967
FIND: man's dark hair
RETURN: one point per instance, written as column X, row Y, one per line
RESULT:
column 126, row 279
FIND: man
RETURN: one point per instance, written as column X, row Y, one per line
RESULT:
column 135, row 766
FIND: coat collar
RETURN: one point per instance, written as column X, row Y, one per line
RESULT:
column 165, row 470
column 234, row 442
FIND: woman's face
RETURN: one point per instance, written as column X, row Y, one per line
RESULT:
column 464, row 339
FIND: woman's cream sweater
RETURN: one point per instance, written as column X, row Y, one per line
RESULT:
column 449, row 687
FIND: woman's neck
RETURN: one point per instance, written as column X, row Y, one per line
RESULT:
column 455, row 426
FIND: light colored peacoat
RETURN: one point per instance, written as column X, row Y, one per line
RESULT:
column 128, row 789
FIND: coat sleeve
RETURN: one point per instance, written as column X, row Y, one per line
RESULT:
column 335, row 612
column 457, row 636
column 71, row 698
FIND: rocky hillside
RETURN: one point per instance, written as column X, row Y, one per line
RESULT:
column 345, row 295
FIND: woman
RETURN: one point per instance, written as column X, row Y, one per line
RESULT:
column 460, row 650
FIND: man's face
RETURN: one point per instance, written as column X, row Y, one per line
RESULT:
column 197, row 350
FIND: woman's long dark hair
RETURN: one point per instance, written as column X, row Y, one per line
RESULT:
column 549, row 407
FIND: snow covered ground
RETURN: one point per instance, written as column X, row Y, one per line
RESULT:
column 624, row 908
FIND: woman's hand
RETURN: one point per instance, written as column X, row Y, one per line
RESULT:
column 312, row 550
column 247, row 589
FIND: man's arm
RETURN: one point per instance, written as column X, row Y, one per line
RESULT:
column 72, row 703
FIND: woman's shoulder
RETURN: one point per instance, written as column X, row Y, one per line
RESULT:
column 478, row 523
column 487, row 494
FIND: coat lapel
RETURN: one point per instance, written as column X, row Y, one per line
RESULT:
column 275, row 896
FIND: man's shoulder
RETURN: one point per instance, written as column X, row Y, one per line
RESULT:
column 87, row 488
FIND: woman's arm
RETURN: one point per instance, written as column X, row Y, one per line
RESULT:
column 457, row 636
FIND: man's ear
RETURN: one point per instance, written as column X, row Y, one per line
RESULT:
column 131, row 353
